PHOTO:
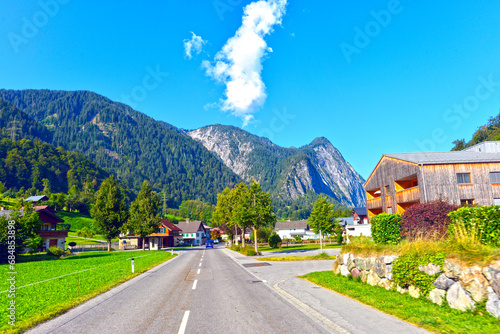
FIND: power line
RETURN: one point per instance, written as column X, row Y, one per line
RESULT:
column 13, row 129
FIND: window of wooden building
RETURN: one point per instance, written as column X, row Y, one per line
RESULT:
column 495, row 177
column 463, row 178
column 464, row 202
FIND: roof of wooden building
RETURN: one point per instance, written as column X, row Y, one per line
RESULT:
column 437, row 158
column 288, row 225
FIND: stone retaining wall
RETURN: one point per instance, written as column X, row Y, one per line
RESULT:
column 461, row 287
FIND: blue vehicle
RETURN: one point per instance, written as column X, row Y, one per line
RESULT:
column 209, row 243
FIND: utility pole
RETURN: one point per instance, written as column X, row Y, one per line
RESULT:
column 164, row 203
column 14, row 128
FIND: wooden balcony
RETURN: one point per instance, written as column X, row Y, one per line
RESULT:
column 374, row 203
column 53, row 234
column 408, row 195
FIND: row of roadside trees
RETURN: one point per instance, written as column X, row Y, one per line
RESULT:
column 248, row 206
column 112, row 216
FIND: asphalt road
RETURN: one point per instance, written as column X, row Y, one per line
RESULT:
column 200, row 291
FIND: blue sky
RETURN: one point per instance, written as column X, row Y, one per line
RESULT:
column 373, row 77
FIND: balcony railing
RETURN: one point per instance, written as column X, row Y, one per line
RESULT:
column 53, row 234
column 408, row 195
column 374, row 203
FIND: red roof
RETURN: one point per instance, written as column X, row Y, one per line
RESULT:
column 46, row 215
column 169, row 225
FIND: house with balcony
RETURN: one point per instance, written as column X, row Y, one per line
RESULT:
column 51, row 235
column 466, row 177
column 167, row 235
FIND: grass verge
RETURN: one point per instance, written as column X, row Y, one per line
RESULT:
column 298, row 247
column 320, row 256
column 421, row 312
column 87, row 275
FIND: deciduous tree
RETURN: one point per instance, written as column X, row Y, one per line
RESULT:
column 144, row 216
column 109, row 210
column 322, row 218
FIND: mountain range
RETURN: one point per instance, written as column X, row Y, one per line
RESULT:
column 185, row 165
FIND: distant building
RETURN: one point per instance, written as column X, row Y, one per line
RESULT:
column 466, row 177
column 360, row 215
column 193, row 232
column 290, row 229
column 167, row 235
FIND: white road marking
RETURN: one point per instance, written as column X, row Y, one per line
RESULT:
column 182, row 329
column 199, row 265
column 194, row 284
column 199, row 271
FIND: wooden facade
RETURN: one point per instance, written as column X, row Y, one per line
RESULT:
column 396, row 183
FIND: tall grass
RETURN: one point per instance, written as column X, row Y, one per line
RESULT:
column 462, row 246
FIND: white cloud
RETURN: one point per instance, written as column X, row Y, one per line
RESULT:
column 239, row 63
column 195, row 44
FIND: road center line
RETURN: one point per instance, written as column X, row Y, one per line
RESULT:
column 199, row 265
column 194, row 284
column 184, row 321
column 199, row 271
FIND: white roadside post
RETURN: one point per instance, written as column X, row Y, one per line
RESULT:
column 133, row 270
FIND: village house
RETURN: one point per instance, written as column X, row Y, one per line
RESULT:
column 193, row 232
column 359, row 215
column 399, row 180
column 289, row 229
column 167, row 235
column 51, row 235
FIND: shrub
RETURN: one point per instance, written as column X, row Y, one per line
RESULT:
column 34, row 243
column 469, row 224
column 274, row 241
column 405, row 270
column 55, row 251
column 249, row 252
column 386, row 228
column 85, row 232
column 426, row 220
column 235, row 248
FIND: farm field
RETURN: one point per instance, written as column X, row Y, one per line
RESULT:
column 45, row 289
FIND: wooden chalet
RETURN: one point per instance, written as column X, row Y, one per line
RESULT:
column 466, row 177
column 167, row 235
column 51, row 236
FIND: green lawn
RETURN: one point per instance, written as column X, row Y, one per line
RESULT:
column 171, row 218
column 80, row 241
column 76, row 220
column 299, row 247
column 7, row 202
column 421, row 312
column 88, row 275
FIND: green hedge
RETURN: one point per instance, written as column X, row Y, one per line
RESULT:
column 484, row 221
column 386, row 228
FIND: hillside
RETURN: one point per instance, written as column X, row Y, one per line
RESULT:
column 488, row 132
column 31, row 163
column 135, row 146
column 288, row 173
